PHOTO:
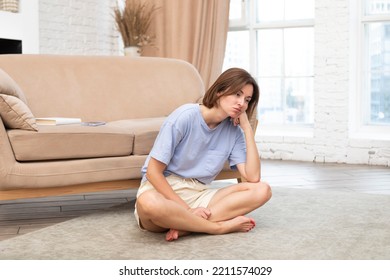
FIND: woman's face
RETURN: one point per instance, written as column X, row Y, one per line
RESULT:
column 235, row 104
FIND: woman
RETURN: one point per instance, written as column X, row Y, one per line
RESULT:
column 193, row 144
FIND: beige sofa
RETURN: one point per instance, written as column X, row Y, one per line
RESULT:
column 132, row 95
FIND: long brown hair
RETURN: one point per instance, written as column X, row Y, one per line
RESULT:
column 230, row 82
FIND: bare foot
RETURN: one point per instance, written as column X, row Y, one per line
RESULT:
column 174, row 234
column 238, row 224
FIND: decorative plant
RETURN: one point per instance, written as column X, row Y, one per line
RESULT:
column 133, row 22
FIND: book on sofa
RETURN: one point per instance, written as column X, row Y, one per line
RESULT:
column 57, row 121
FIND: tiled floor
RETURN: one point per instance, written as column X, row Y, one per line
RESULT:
column 21, row 216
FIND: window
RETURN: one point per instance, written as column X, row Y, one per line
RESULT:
column 274, row 41
column 375, row 100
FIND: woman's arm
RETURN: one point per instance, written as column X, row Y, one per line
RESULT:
column 155, row 176
column 250, row 170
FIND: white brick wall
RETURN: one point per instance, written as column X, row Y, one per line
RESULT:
column 331, row 80
column 77, row 27
column 331, row 141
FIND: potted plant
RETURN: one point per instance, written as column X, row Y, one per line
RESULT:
column 133, row 22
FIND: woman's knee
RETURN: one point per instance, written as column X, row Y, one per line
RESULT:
column 267, row 190
column 263, row 192
column 149, row 203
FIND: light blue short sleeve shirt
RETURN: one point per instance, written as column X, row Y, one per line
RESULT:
column 190, row 149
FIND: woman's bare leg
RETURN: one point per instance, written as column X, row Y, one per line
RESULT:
column 233, row 201
column 239, row 199
column 159, row 214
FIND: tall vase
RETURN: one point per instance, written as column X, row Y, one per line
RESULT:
column 132, row 51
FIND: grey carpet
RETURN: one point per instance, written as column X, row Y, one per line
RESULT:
column 295, row 224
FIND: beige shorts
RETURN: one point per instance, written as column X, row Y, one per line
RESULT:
column 193, row 192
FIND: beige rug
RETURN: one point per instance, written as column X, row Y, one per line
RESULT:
column 295, row 224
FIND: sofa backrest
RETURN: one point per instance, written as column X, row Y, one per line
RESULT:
column 103, row 88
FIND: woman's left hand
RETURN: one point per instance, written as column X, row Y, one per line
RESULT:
column 242, row 120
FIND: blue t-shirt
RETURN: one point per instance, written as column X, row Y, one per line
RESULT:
column 191, row 149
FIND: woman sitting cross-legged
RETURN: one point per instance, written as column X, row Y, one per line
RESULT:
column 191, row 149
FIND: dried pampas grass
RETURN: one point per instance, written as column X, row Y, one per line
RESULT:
column 133, row 23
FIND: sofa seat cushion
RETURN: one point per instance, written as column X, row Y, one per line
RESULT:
column 145, row 132
column 71, row 142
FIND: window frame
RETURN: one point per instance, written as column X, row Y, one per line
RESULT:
column 359, row 91
column 249, row 23
column 244, row 19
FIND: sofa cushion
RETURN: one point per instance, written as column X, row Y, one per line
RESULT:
column 71, row 142
column 16, row 114
column 145, row 132
column 9, row 87
column 13, row 105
